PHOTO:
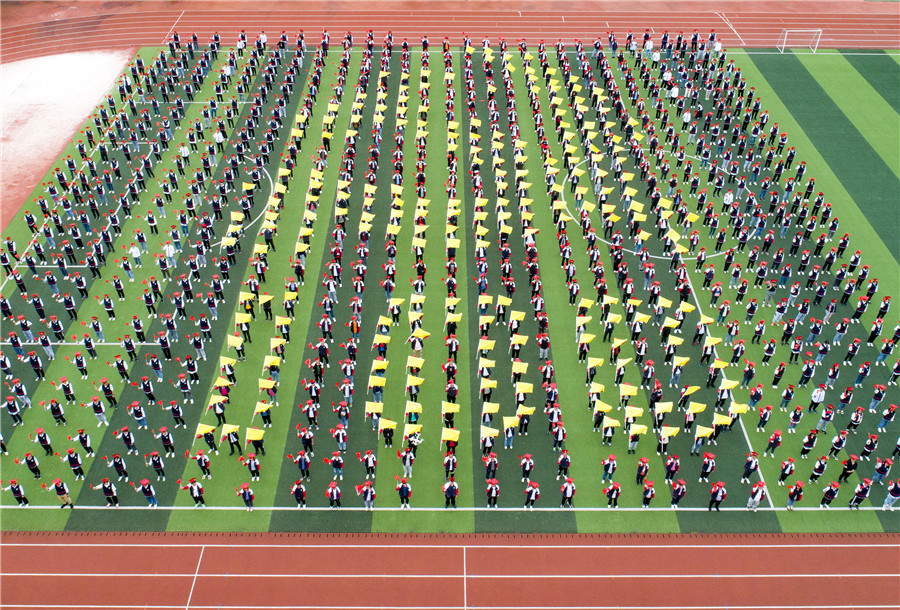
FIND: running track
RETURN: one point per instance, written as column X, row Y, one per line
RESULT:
column 442, row 572
column 95, row 25
column 162, row 571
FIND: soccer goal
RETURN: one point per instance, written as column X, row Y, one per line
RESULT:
column 799, row 39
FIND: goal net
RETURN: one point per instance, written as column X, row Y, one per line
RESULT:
column 799, row 39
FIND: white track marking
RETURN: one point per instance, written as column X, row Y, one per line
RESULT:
column 196, row 573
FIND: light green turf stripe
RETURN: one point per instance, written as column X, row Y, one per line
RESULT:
column 868, row 111
column 878, row 256
column 395, row 396
column 245, row 392
column 428, row 472
column 829, row 521
column 583, row 443
column 431, row 493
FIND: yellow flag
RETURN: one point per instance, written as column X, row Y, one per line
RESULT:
column 696, row 407
column 721, row 420
column 221, row 381
column 737, row 408
column 703, row 431
column 203, row 429
column 600, row 406
column 628, row 390
column 485, row 345
column 524, row 388
column 634, row 412
column 489, row 432
column 670, row 431
column 449, row 434
column 510, row 422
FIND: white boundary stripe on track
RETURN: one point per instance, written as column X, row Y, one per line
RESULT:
column 466, row 607
column 172, row 29
column 731, row 27
column 436, row 576
column 196, row 572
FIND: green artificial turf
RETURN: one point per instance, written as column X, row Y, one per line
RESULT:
column 835, row 114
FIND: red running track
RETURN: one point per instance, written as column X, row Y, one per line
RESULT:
column 343, row 572
column 44, row 28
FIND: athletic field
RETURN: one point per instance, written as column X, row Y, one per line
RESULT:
column 838, row 109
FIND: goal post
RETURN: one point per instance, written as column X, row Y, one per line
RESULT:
column 799, row 39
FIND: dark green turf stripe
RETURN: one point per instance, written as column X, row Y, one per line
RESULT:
column 733, row 522
column 208, row 370
column 881, row 72
column 860, row 169
column 889, row 521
